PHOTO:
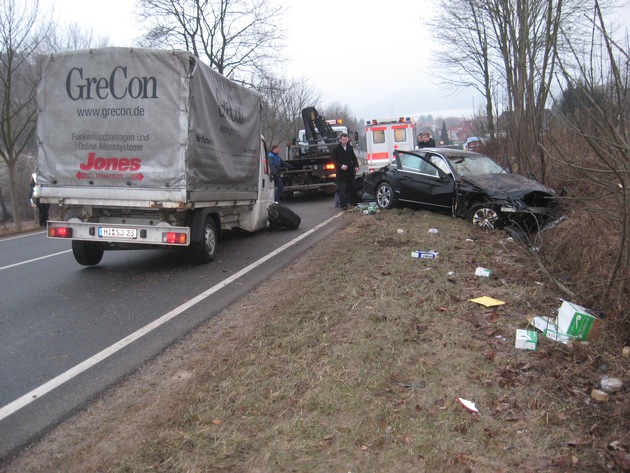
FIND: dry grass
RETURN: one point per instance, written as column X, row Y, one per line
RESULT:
column 352, row 359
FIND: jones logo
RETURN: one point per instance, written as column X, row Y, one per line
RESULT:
column 110, row 164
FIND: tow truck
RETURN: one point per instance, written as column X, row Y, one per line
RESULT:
column 310, row 155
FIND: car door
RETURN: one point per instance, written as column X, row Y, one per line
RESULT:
column 421, row 182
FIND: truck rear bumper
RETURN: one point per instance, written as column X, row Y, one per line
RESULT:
column 161, row 234
column 310, row 187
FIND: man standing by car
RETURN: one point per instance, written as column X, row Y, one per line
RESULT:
column 426, row 141
column 347, row 166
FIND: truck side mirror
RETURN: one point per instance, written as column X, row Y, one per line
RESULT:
column 356, row 136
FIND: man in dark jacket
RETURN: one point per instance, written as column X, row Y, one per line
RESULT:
column 276, row 163
column 347, row 166
column 426, row 141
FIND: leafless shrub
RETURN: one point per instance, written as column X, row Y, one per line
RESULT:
column 589, row 150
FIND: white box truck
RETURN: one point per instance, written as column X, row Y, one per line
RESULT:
column 148, row 148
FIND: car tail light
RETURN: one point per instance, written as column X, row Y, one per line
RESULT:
column 174, row 238
column 60, row 232
column 329, row 167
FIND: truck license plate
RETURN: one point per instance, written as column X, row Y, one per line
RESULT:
column 114, row 232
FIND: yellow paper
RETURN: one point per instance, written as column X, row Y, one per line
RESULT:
column 487, row 301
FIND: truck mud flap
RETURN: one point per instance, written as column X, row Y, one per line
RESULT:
column 283, row 217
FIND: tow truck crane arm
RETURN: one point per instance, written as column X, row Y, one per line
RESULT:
column 315, row 125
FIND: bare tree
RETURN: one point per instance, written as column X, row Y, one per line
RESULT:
column 238, row 38
column 596, row 114
column 465, row 52
column 509, row 49
column 339, row 111
column 283, row 101
column 71, row 37
column 20, row 38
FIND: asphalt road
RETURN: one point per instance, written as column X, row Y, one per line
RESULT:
column 67, row 332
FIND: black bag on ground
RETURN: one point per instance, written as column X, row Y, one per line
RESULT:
column 281, row 216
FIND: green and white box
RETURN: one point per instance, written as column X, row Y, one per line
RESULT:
column 483, row 272
column 576, row 321
column 526, row 339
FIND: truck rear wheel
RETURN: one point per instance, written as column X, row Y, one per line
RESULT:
column 87, row 253
column 204, row 250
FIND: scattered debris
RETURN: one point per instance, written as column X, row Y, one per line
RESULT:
column 487, row 301
column 432, row 254
column 611, row 385
column 577, row 321
column 400, row 231
column 625, row 352
column 572, row 322
column 367, row 208
column 412, row 385
column 433, row 231
column 483, row 272
column 599, row 395
column 468, row 405
column 526, row 339
column 549, row 329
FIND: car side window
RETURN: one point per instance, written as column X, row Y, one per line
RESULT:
column 426, row 168
column 409, row 162
column 440, row 163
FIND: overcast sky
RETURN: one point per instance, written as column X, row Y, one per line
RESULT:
column 375, row 59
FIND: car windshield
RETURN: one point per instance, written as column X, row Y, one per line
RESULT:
column 475, row 165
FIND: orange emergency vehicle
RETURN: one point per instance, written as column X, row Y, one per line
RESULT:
column 383, row 137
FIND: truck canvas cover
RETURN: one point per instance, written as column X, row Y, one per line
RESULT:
column 144, row 125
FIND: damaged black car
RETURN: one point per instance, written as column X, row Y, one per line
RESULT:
column 463, row 183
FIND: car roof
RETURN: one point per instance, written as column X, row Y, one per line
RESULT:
column 448, row 152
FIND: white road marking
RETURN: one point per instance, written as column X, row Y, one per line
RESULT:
column 45, row 388
column 23, row 235
column 34, row 259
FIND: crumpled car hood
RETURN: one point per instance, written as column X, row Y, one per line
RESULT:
column 507, row 186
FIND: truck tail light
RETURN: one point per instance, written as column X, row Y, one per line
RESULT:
column 60, row 232
column 174, row 238
column 329, row 167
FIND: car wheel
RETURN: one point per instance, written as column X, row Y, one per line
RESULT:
column 87, row 253
column 384, row 196
column 485, row 217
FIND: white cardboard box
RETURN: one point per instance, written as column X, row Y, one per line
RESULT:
column 549, row 328
column 484, row 272
column 526, row 339
column 424, row 254
column 576, row 321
